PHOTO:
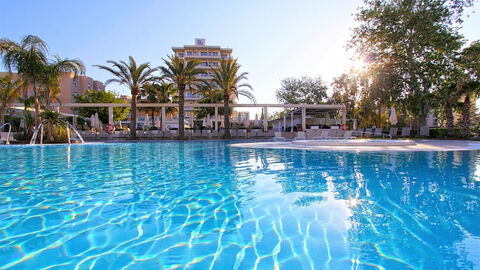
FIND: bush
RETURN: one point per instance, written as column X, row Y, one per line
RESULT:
column 441, row 133
column 59, row 134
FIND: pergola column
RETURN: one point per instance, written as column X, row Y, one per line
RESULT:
column 291, row 121
column 344, row 115
column 216, row 118
column 164, row 128
column 265, row 119
column 304, row 118
column 110, row 115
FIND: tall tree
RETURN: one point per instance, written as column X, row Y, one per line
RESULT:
column 469, row 82
column 302, row 90
column 230, row 81
column 52, row 74
column 9, row 91
column 181, row 73
column 102, row 96
column 28, row 58
column 158, row 93
column 209, row 94
column 413, row 38
column 135, row 77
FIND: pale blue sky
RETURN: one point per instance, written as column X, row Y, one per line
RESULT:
column 272, row 39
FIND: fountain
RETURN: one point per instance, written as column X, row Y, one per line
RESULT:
column 40, row 129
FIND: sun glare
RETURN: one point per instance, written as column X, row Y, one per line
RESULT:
column 359, row 65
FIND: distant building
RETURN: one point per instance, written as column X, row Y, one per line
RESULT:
column 209, row 56
column 70, row 86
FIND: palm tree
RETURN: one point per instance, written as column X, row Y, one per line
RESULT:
column 134, row 77
column 53, row 73
column 159, row 93
column 229, row 80
column 181, row 73
column 29, row 58
column 209, row 94
column 9, row 90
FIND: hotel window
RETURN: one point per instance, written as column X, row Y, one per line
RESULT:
column 215, row 64
column 180, row 55
column 204, row 64
column 189, row 53
column 224, row 56
column 89, row 86
column 75, row 84
column 215, row 53
column 203, row 54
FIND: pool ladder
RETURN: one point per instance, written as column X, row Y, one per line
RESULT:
column 40, row 129
column 9, row 131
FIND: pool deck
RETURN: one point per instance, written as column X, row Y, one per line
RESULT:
column 420, row 145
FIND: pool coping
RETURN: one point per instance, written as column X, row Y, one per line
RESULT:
column 420, row 145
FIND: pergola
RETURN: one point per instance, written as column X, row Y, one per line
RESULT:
column 302, row 107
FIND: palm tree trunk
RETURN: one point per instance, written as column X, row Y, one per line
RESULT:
column 153, row 117
column 181, row 113
column 37, row 106
column 50, row 132
column 449, row 118
column 226, row 115
column 2, row 113
column 466, row 117
column 133, row 114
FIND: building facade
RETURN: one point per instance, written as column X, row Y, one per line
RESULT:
column 70, row 85
column 209, row 57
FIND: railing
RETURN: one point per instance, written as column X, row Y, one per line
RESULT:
column 9, row 131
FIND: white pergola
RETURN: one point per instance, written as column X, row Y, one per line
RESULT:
column 163, row 106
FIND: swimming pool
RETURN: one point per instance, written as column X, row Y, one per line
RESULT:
column 204, row 205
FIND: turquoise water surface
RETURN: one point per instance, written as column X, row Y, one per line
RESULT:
column 204, row 205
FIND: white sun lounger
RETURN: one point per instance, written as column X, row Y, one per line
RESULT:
column 300, row 135
column 278, row 137
column 323, row 135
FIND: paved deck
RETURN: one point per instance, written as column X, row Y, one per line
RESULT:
column 420, row 145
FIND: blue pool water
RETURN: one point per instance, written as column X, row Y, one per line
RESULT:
column 204, row 205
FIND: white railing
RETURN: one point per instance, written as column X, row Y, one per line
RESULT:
column 9, row 131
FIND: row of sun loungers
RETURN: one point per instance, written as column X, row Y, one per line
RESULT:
column 349, row 134
column 170, row 134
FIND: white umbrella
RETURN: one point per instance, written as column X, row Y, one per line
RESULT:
column 157, row 122
column 204, row 122
column 97, row 122
column 120, row 124
column 256, row 119
column 209, row 122
column 147, row 121
column 22, row 123
column 92, row 121
column 393, row 116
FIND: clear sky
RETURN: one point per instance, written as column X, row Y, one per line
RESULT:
column 272, row 39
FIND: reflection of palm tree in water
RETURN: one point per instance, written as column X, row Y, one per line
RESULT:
column 400, row 202
column 413, row 216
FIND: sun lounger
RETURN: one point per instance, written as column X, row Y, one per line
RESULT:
column 323, row 135
column 405, row 132
column 393, row 132
column 300, row 136
column 378, row 132
column 368, row 132
column 424, row 131
column 347, row 135
column 278, row 137
column 242, row 133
